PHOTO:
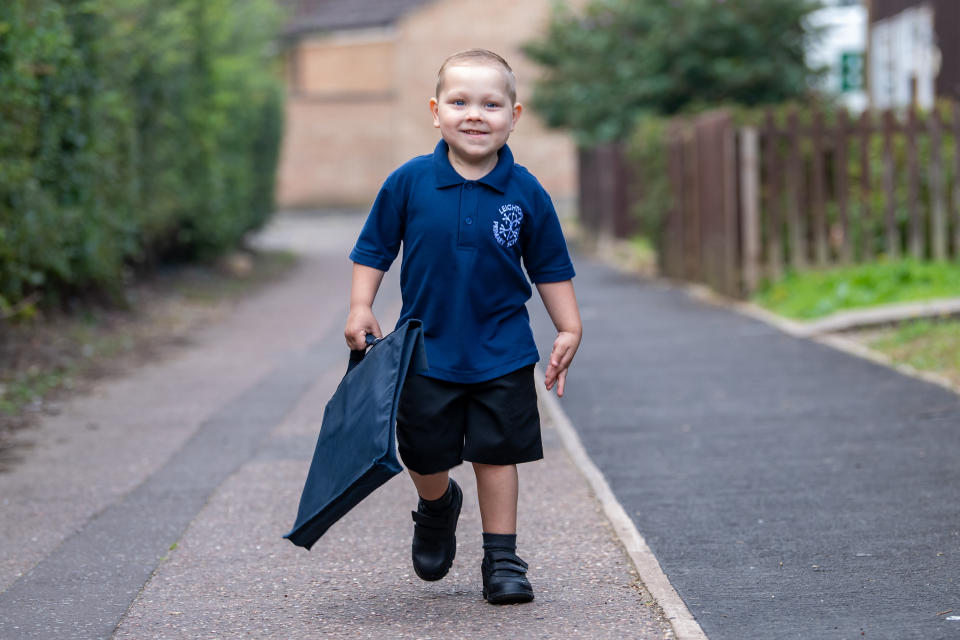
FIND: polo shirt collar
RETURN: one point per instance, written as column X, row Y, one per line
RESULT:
column 447, row 176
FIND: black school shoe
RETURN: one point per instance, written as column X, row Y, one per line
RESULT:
column 434, row 537
column 505, row 578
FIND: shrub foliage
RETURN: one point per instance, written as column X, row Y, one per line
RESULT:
column 619, row 60
column 131, row 131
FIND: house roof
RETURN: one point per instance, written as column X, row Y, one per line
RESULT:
column 306, row 16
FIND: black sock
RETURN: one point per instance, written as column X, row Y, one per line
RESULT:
column 500, row 542
column 438, row 505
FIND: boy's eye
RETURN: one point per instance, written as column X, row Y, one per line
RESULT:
column 492, row 105
column 459, row 103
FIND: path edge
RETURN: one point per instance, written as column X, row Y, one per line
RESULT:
column 685, row 626
column 835, row 340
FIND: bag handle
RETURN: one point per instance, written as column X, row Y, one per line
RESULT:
column 357, row 355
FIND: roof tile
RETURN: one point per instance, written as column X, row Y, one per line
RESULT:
column 330, row 15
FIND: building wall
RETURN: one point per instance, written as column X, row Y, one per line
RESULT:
column 334, row 152
column 358, row 101
column 336, row 69
column 338, row 142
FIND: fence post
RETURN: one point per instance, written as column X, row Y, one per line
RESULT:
column 750, row 208
column 798, row 244
column 817, row 199
column 731, row 242
column 672, row 260
column 889, row 187
column 773, row 199
column 865, row 223
column 586, row 199
column 693, row 220
column 842, row 187
column 608, row 181
column 913, row 186
column 938, row 224
column 956, row 180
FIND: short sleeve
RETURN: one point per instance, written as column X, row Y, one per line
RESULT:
column 379, row 240
column 545, row 254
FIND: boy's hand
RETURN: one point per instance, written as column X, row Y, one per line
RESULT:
column 360, row 322
column 564, row 348
column 561, row 304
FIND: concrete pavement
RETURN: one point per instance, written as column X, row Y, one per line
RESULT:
column 788, row 490
column 154, row 507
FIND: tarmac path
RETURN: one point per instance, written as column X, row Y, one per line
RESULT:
column 788, row 490
column 154, row 506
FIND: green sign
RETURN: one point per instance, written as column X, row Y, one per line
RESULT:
column 851, row 71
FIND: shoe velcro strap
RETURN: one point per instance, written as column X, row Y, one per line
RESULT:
column 504, row 560
column 431, row 521
column 508, row 567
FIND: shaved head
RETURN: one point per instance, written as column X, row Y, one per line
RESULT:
column 480, row 57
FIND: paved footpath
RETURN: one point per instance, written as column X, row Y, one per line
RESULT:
column 154, row 506
column 788, row 490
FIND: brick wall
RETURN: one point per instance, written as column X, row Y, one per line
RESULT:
column 337, row 146
column 334, row 152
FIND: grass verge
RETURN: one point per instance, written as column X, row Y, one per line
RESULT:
column 927, row 345
column 817, row 293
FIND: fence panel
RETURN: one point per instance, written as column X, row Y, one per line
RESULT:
column 809, row 189
column 833, row 193
column 608, row 189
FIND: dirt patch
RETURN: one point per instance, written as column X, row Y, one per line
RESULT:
column 929, row 345
column 48, row 360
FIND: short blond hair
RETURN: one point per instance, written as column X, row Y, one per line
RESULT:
column 479, row 57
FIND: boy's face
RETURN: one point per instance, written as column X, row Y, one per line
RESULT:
column 474, row 113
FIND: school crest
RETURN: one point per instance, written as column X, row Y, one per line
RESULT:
column 507, row 229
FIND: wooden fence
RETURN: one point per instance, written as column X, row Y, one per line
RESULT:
column 607, row 186
column 808, row 191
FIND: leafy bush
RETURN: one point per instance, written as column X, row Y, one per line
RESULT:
column 130, row 132
column 652, row 196
column 616, row 61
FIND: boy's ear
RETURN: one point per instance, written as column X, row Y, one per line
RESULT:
column 517, row 110
column 434, row 108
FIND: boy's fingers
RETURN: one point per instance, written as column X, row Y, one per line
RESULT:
column 358, row 340
column 550, row 377
column 561, row 382
column 557, row 355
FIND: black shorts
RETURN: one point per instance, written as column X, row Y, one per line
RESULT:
column 440, row 424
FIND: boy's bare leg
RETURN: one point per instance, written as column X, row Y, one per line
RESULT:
column 431, row 486
column 497, row 490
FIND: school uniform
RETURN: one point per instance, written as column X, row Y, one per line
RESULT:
column 468, row 249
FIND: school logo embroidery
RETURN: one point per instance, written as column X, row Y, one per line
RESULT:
column 507, row 230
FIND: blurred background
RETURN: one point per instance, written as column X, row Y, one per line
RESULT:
column 359, row 74
column 731, row 142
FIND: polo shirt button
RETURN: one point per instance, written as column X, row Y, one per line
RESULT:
column 469, row 220
column 469, row 185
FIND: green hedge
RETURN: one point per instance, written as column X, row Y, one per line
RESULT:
column 131, row 131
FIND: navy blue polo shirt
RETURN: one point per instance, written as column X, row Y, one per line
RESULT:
column 463, row 245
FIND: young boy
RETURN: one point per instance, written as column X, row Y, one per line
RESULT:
column 466, row 216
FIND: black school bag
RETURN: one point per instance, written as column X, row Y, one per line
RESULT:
column 356, row 450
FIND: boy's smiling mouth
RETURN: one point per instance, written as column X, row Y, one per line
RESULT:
column 473, row 132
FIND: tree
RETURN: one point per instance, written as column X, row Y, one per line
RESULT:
column 620, row 59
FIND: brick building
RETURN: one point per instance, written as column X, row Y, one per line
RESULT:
column 359, row 74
